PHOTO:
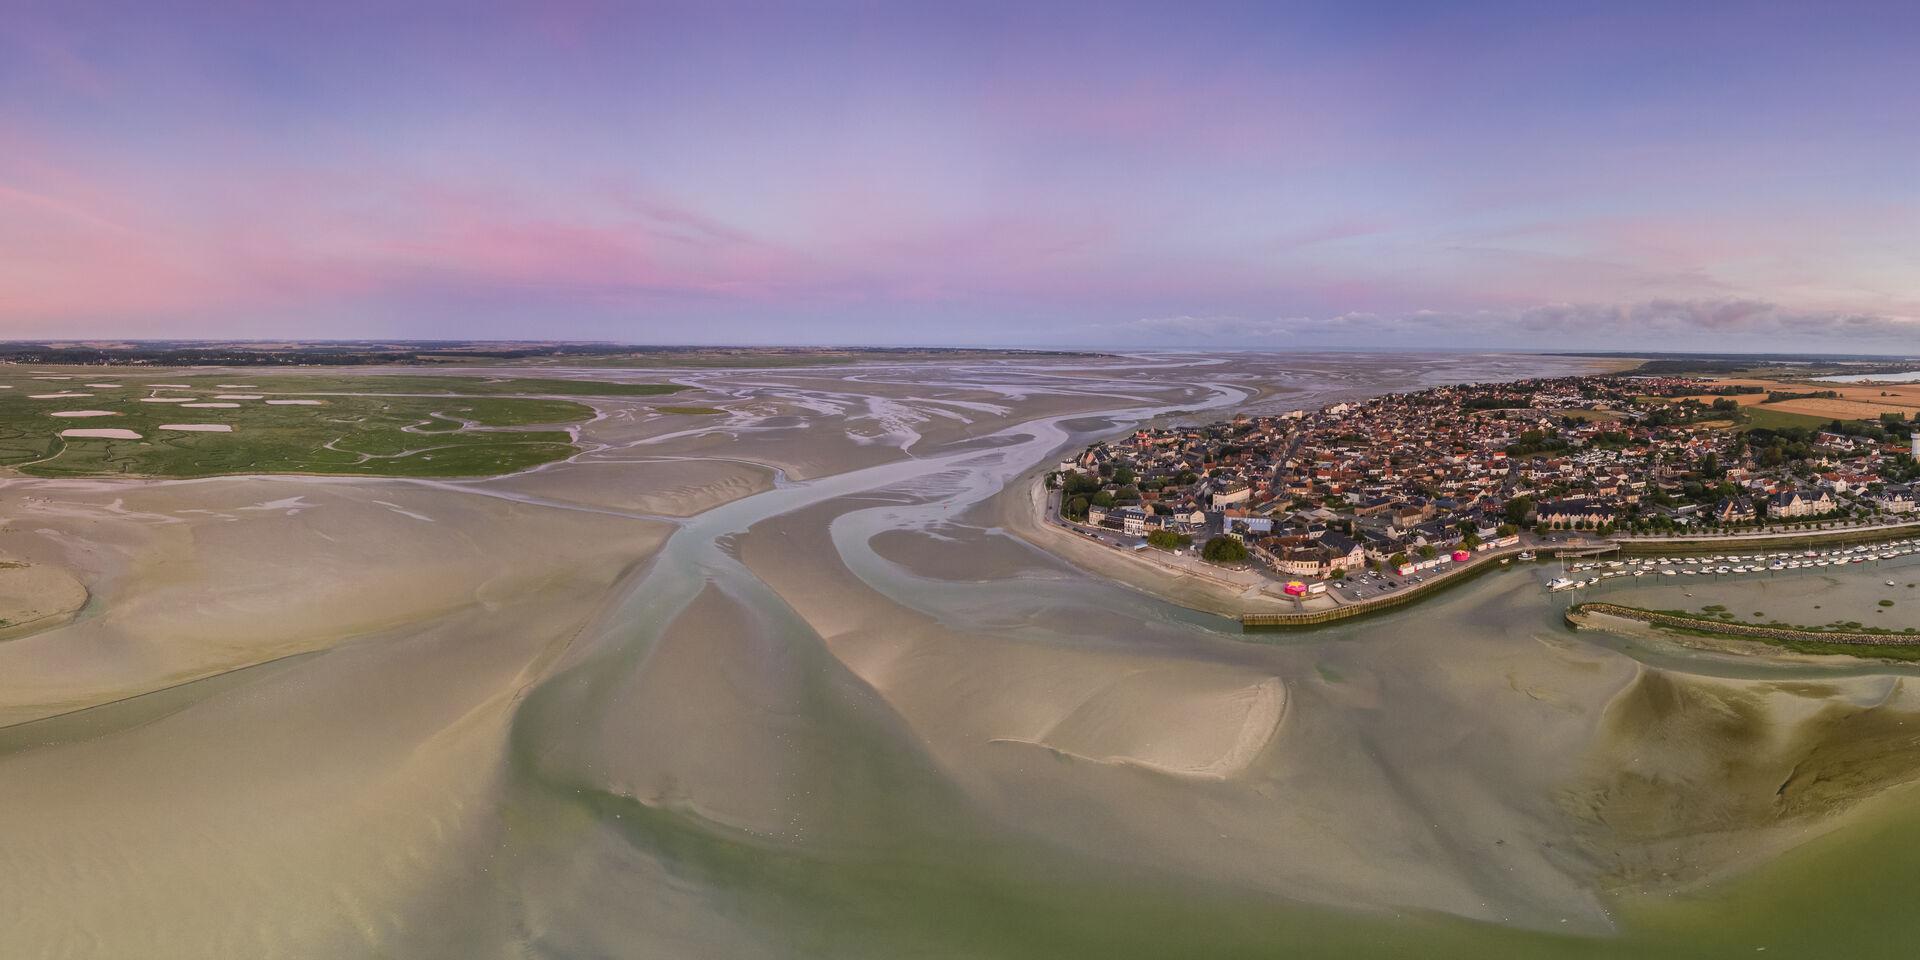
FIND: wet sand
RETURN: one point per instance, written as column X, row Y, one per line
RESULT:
column 1798, row 597
column 35, row 597
column 795, row 680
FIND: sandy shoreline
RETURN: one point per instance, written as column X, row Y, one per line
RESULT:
column 811, row 677
column 1025, row 518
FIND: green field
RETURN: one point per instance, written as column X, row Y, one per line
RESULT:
column 1754, row 416
column 296, row 383
column 1759, row 416
column 448, row 427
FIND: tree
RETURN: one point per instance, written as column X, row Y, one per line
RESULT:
column 1076, row 484
column 1506, row 530
column 1167, row 539
column 1427, row 551
column 1518, row 509
column 1224, row 550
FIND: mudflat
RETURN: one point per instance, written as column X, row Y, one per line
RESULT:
column 803, row 677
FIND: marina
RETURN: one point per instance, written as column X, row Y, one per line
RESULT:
column 1718, row 565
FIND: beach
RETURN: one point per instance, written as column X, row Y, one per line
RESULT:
column 808, row 677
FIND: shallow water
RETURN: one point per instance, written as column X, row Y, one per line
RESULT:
column 756, row 747
column 1815, row 598
column 1913, row 377
column 900, row 860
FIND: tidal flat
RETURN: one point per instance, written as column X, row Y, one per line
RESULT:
column 799, row 679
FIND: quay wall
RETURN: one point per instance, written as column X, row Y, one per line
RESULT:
column 1481, row 563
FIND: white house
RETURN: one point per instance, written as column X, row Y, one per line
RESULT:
column 1895, row 499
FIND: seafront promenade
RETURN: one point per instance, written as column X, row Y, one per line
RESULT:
column 1458, row 573
column 1253, row 597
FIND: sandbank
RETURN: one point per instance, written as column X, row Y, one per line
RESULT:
column 36, row 596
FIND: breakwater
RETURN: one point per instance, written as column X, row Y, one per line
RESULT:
column 1579, row 612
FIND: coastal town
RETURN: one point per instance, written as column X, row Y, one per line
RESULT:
column 1373, row 495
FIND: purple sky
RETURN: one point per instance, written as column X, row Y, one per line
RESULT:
column 1528, row 175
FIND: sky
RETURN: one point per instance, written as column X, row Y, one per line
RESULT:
column 1737, row 176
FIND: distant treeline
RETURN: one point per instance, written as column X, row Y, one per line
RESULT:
column 1671, row 362
column 1728, row 366
column 439, row 352
column 1497, row 403
column 234, row 358
column 1782, row 396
